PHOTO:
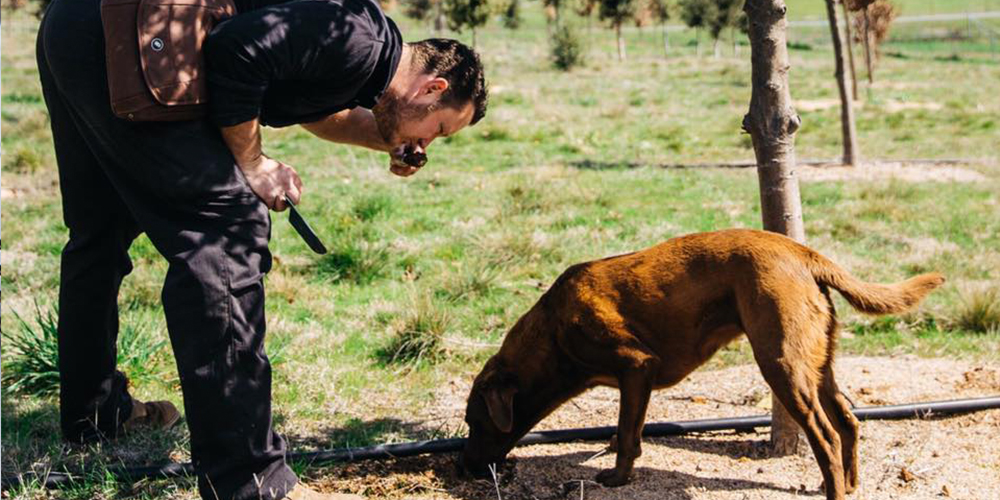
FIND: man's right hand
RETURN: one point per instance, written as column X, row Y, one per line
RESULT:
column 272, row 180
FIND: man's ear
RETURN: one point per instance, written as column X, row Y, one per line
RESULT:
column 500, row 402
column 436, row 85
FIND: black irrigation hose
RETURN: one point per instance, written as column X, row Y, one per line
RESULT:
column 384, row 451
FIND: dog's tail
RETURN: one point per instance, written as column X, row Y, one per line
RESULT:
column 873, row 298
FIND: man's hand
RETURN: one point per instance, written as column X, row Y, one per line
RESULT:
column 405, row 161
column 272, row 180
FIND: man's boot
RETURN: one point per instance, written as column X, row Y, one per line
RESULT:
column 152, row 415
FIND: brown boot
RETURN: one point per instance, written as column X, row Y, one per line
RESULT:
column 151, row 415
column 303, row 492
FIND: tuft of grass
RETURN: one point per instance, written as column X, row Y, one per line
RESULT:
column 475, row 280
column 33, row 355
column 367, row 208
column 418, row 336
column 979, row 311
column 354, row 259
column 23, row 161
column 33, row 368
column 523, row 198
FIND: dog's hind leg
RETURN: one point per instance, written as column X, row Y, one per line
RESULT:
column 838, row 410
column 790, row 347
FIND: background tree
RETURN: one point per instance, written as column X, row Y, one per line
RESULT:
column 469, row 14
column 722, row 14
column 849, row 41
column 553, row 10
column 848, row 131
column 712, row 15
column 512, row 15
column 585, row 9
column 772, row 123
column 661, row 11
column 616, row 12
column 872, row 19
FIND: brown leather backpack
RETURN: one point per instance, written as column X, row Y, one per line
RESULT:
column 156, row 69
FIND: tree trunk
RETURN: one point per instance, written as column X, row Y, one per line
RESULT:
column 772, row 123
column 715, row 48
column 473, row 37
column 697, row 42
column 439, row 17
column 621, row 42
column 666, row 41
column 850, row 138
column 736, row 48
column 850, row 50
column 868, row 48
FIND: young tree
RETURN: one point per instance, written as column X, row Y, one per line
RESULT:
column 712, row 15
column 616, row 12
column 846, row 109
column 872, row 20
column 772, row 123
column 848, row 39
column 470, row 14
column 512, row 15
column 695, row 14
column 724, row 14
column 553, row 10
column 661, row 11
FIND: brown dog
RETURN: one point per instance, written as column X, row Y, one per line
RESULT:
column 645, row 320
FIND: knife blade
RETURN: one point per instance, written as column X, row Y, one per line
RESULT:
column 302, row 227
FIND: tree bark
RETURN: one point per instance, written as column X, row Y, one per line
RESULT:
column 850, row 50
column 772, row 123
column 868, row 47
column 848, row 131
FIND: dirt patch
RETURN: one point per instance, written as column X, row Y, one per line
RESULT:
column 891, row 170
column 956, row 457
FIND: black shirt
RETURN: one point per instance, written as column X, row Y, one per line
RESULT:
column 299, row 61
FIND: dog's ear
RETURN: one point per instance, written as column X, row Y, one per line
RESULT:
column 500, row 402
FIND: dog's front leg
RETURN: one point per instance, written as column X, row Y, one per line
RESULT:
column 636, row 385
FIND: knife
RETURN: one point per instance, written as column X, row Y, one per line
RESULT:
column 302, row 227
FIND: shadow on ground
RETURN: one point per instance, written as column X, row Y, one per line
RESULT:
column 541, row 477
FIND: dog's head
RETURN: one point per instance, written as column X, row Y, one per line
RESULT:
column 491, row 419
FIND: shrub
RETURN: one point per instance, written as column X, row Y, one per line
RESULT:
column 567, row 48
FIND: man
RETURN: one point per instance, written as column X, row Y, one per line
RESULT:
column 201, row 191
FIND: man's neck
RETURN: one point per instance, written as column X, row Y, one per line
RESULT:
column 404, row 71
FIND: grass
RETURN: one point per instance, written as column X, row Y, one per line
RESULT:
column 565, row 168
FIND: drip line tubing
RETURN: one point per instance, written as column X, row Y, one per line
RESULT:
column 387, row 451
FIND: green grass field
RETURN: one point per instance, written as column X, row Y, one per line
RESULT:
column 427, row 273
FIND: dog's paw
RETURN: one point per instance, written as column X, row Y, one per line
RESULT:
column 611, row 478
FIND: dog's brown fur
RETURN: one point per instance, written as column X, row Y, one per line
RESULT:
column 645, row 320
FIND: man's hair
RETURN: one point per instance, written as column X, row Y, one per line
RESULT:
column 460, row 65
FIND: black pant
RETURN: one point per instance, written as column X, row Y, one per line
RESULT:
column 178, row 183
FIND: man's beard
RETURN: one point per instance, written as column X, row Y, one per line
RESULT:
column 390, row 111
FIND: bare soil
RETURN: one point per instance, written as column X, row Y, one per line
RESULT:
column 885, row 170
column 936, row 457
